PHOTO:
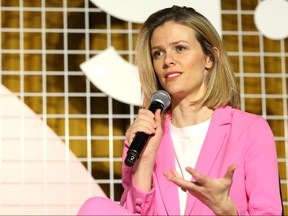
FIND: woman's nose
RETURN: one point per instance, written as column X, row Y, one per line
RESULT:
column 169, row 60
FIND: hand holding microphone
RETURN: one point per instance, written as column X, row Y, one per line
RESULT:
column 160, row 100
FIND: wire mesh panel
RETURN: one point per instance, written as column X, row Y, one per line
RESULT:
column 261, row 68
column 43, row 42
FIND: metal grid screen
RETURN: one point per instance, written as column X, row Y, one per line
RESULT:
column 43, row 42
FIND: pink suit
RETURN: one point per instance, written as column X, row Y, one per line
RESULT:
column 234, row 137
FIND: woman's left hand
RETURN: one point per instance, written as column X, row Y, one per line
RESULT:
column 214, row 193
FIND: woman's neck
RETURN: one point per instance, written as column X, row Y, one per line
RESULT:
column 185, row 114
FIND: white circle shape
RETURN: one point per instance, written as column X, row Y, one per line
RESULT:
column 138, row 11
column 271, row 18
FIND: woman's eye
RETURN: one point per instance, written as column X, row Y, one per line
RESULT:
column 180, row 48
column 157, row 54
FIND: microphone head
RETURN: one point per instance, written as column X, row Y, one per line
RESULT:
column 162, row 97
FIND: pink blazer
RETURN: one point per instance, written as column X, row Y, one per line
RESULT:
column 233, row 136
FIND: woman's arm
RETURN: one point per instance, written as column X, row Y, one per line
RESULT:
column 138, row 180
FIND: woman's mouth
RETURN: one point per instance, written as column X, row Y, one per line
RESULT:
column 172, row 75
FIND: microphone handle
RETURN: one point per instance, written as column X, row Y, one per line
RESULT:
column 136, row 148
column 140, row 139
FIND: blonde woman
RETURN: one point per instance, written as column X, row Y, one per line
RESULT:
column 204, row 156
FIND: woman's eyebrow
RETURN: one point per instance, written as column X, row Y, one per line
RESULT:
column 172, row 43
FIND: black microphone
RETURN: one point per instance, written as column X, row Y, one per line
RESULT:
column 160, row 100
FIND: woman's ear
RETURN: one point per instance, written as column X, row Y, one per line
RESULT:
column 210, row 59
column 209, row 63
column 216, row 51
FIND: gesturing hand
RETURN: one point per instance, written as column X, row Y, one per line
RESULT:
column 213, row 192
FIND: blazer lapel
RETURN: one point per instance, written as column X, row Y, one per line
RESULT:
column 165, row 162
column 218, row 130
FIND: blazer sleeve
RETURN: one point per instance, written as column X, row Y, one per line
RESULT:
column 133, row 199
column 261, row 170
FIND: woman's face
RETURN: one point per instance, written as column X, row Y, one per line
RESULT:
column 178, row 60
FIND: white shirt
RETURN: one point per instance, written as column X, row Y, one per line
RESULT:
column 187, row 144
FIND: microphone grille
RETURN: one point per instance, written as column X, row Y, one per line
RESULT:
column 162, row 97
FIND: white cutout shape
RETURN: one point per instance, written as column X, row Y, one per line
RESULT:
column 114, row 76
column 271, row 18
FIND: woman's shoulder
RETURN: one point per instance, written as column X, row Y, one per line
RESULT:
column 236, row 115
column 244, row 114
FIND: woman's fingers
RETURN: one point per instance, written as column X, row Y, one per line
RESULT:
column 177, row 179
column 230, row 171
column 145, row 122
column 197, row 178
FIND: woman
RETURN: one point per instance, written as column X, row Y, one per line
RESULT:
column 204, row 156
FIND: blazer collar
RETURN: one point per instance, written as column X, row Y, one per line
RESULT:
column 165, row 162
column 217, row 134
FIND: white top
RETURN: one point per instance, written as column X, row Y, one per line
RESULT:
column 187, row 143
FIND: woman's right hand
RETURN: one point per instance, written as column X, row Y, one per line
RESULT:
column 148, row 123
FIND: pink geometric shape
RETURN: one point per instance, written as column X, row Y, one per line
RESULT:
column 38, row 174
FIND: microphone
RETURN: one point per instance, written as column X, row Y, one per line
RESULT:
column 160, row 100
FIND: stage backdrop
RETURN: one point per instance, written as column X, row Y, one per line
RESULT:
column 45, row 45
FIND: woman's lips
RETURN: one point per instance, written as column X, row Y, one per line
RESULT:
column 172, row 75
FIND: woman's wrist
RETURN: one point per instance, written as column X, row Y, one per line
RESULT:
column 227, row 208
column 143, row 174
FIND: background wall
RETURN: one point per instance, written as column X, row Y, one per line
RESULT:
column 43, row 43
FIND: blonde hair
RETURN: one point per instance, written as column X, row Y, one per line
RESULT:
column 221, row 84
